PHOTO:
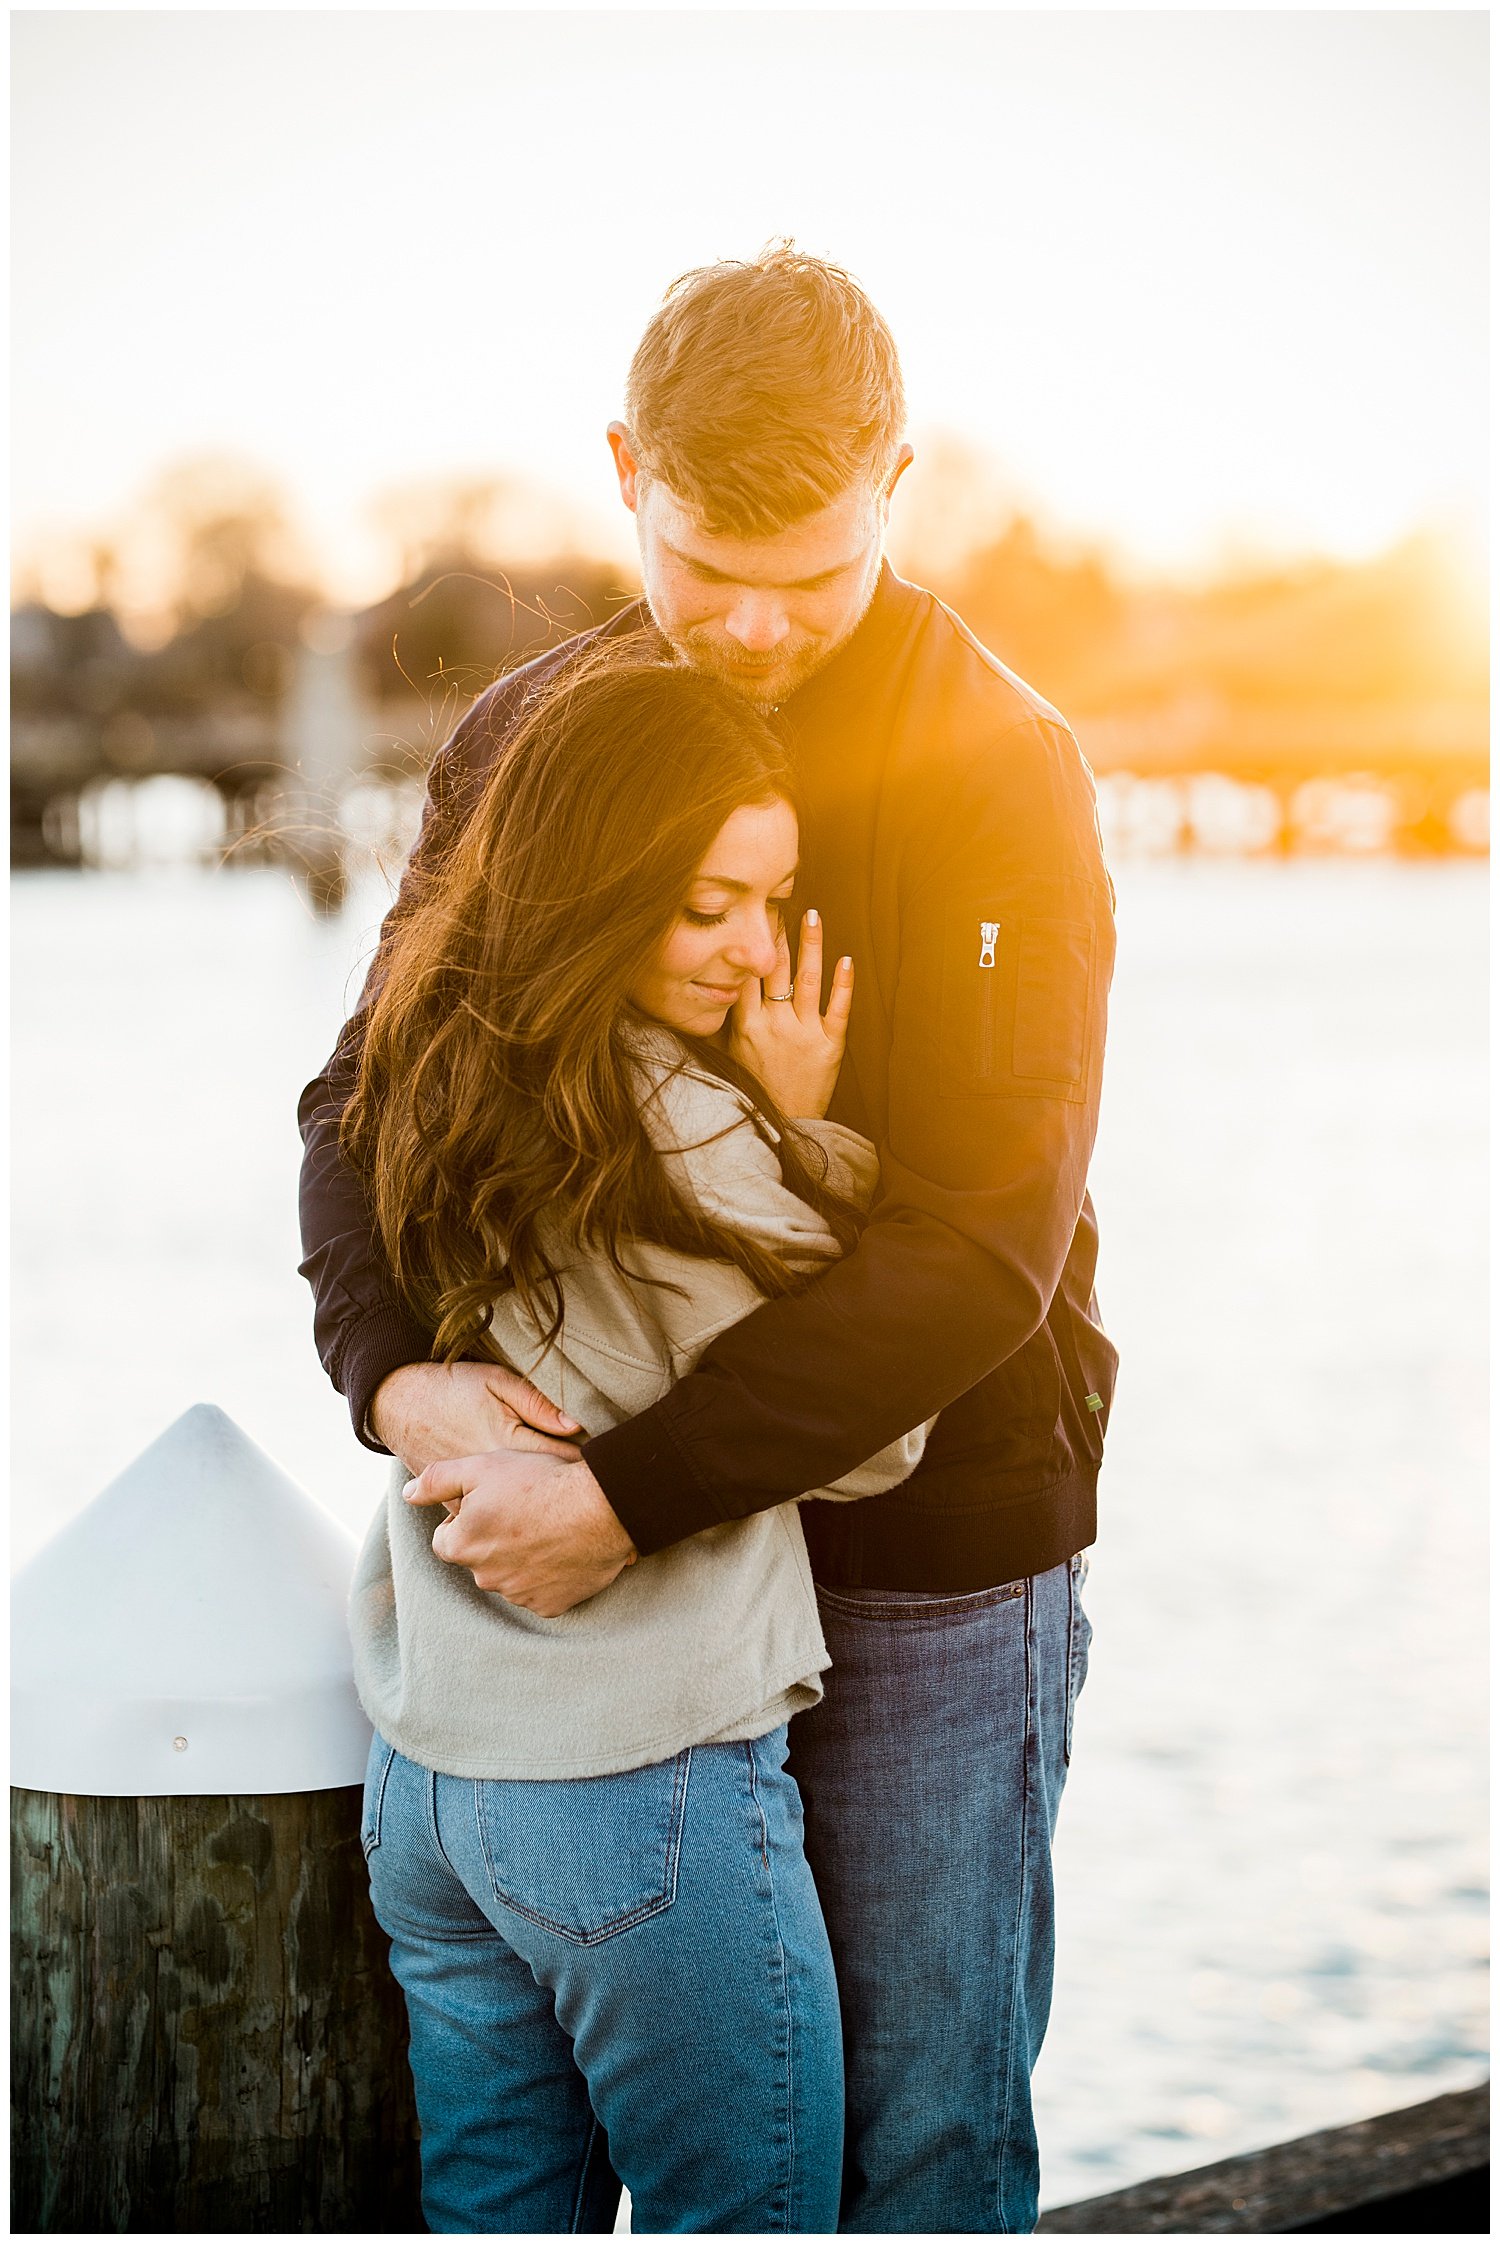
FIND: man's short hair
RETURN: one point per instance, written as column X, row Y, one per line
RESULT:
column 764, row 389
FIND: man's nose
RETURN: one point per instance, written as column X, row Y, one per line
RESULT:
column 757, row 621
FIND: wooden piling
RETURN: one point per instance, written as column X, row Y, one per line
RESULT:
column 207, row 2036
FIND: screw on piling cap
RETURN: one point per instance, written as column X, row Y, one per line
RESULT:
column 201, row 1596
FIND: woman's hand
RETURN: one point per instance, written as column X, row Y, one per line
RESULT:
column 793, row 1047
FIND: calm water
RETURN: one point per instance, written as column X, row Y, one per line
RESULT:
column 1270, row 1860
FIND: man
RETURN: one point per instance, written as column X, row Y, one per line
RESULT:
column 950, row 843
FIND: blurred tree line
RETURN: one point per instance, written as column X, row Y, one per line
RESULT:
column 235, row 595
column 466, row 607
column 232, row 602
column 1397, row 630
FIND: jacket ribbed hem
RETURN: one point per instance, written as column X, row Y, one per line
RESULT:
column 385, row 1341
column 880, row 1544
column 649, row 1483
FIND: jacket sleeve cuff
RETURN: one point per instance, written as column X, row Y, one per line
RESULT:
column 379, row 1344
column 652, row 1489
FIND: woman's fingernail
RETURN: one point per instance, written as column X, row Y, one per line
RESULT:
column 574, row 1425
column 812, row 919
column 406, row 1491
column 846, row 966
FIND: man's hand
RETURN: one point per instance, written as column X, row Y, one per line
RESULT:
column 534, row 1529
column 426, row 1412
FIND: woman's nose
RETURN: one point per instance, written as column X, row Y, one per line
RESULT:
column 756, row 950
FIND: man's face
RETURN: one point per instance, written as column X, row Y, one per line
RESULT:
column 761, row 614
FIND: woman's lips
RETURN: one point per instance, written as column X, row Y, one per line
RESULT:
column 716, row 995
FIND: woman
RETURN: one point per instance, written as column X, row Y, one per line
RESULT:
column 592, row 1141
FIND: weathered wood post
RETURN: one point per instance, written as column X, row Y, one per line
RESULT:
column 206, row 2035
column 322, row 720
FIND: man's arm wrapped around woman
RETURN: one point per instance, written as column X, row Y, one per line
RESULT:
column 625, row 1339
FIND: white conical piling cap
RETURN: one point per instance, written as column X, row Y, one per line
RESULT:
column 186, row 1632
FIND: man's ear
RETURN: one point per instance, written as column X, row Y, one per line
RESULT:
column 904, row 459
column 626, row 466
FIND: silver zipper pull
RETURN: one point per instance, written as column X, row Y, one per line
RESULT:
column 989, row 936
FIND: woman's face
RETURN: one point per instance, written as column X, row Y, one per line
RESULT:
column 725, row 933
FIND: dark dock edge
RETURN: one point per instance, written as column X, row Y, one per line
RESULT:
column 1419, row 2172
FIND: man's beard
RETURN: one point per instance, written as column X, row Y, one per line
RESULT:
column 781, row 679
column 766, row 686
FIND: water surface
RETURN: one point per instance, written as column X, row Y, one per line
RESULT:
column 1270, row 1862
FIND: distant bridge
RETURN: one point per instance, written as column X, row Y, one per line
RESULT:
column 1428, row 758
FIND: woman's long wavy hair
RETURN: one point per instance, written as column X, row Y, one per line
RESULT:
column 496, row 1084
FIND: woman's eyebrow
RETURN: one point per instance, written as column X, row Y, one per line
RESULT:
column 740, row 887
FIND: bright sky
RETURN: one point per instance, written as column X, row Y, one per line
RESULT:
column 1194, row 279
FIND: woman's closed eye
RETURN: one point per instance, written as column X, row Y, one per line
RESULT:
column 776, row 906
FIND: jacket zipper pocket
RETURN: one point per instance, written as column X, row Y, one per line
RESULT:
column 989, row 936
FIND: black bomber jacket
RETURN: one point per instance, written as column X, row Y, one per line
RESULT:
column 950, row 842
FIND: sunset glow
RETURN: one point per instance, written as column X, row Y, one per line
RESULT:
column 1195, row 284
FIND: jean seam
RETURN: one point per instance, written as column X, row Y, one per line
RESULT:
column 430, row 1789
column 576, row 1939
column 377, row 1804
column 786, row 1992
column 1008, row 2038
column 1068, row 1693
column 583, row 2173
column 936, row 1605
column 679, row 1821
column 1079, row 1634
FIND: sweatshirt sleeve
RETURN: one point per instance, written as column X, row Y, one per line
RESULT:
column 720, row 1156
column 710, row 1139
column 996, row 1059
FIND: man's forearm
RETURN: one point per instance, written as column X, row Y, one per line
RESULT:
column 808, row 1386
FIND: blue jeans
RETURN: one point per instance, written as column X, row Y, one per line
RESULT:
column 931, row 1774
column 620, row 1978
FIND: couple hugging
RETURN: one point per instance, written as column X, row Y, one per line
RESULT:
column 735, row 1317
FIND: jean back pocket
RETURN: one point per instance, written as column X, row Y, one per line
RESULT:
column 585, row 1857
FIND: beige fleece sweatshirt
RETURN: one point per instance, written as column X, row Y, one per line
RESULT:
column 715, row 1638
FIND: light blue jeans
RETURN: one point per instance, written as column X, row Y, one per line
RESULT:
column 931, row 1774
column 622, row 1978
